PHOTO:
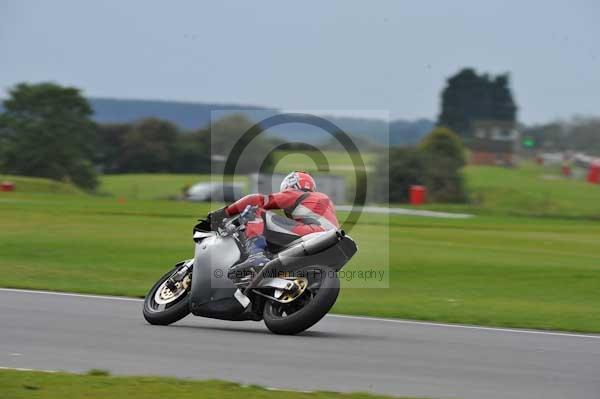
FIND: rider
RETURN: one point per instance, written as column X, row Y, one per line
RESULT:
column 308, row 211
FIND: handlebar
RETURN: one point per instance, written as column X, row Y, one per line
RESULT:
column 238, row 222
column 226, row 226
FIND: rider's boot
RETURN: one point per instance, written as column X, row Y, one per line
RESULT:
column 255, row 249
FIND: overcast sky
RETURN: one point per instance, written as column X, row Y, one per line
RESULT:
column 333, row 55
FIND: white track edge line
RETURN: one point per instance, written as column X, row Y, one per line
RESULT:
column 366, row 318
column 73, row 294
column 27, row 369
column 467, row 326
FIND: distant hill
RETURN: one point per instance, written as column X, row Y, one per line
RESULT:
column 188, row 115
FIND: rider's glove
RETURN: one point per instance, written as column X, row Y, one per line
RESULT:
column 248, row 214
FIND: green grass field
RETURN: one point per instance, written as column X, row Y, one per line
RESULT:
column 529, row 190
column 163, row 186
column 146, row 186
column 38, row 385
column 337, row 160
column 37, row 185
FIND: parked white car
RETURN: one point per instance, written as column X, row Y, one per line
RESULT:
column 215, row 192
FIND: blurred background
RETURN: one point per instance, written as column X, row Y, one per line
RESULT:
column 478, row 124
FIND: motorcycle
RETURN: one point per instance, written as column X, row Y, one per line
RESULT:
column 291, row 293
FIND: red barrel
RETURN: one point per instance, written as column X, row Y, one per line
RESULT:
column 594, row 173
column 7, row 186
column 417, row 195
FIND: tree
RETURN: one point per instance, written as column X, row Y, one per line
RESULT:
column 469, row 97
column 444, row 157
column 443, row 143
column 111, row 141
column 149, row 146
column 435, row 163
column 46, row 131
column 226, row 132
column 395, row 174
column 192, row 153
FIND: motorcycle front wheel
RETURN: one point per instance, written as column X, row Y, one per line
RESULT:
column 322, row 289
column 163, row 306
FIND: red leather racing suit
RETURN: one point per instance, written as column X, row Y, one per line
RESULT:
column 311, row 211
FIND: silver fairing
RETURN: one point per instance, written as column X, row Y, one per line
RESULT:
column 214, row 255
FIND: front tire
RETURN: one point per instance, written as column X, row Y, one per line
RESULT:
column 307, row 310
column 166, row 312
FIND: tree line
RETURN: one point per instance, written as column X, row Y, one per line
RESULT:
column 46, row 131
column 578, row 134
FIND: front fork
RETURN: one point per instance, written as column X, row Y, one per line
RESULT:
column 176, row 279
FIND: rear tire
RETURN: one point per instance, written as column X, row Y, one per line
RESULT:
column 308, row 315
column 169, row 313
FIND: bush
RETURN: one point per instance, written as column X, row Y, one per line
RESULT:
column 98, row 373
column 443, row 157
column 404, row 168
column 436, row 164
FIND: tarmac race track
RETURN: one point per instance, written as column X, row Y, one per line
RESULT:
column 70, row 332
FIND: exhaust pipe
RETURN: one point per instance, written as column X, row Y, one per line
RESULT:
column 312, row 246
column 292, row 256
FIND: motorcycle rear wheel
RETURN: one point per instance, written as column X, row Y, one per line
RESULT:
column 169, row 310
column 301, row 314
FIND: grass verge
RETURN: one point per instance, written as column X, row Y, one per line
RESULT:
column 40, row 385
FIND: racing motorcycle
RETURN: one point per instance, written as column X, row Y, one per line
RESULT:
column 291, row 293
